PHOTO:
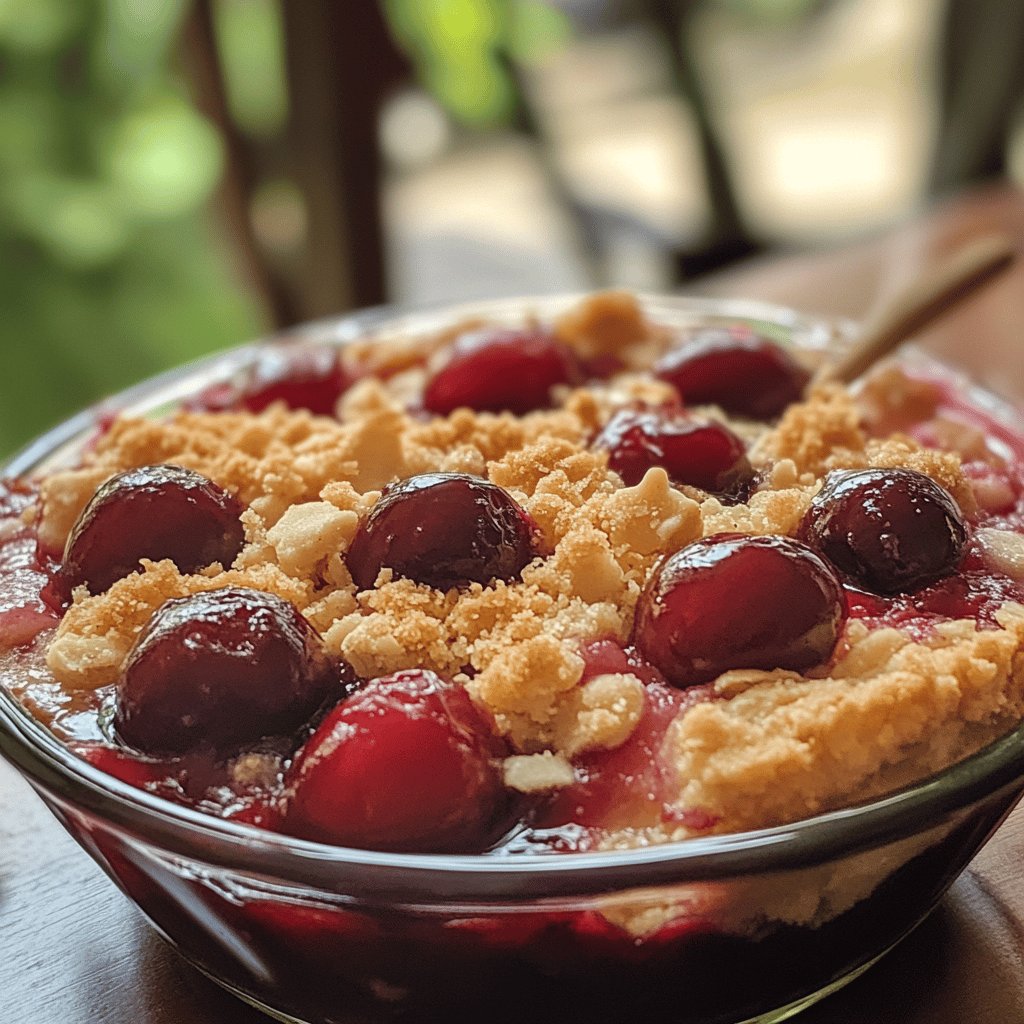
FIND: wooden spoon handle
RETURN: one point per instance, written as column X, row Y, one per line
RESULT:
column 929, row 297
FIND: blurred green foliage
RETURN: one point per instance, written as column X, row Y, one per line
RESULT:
column 459, row 48
column 250, row 35
column 109, row 267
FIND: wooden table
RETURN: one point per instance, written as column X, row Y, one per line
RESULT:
column 73, row 950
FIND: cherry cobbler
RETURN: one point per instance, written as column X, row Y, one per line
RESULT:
column 584, row 584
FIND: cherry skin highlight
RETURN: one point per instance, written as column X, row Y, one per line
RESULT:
column 408, row 764
column 222, row 668
column 701, row 453
column 501, row 371
column 735, row 601
column 445, row 530
column 735, row 369
column 889, row 531
column 151, row 512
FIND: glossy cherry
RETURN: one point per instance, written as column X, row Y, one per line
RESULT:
column 221, row 668
column 888, row 530
column 501, row 371
column 151, row 512
column 702, row 453
column 734, row 601
column 445, row 530
column 736, row 369
column 408, row 763
column 302, row 376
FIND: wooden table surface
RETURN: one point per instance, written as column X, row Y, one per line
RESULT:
column 73, row 950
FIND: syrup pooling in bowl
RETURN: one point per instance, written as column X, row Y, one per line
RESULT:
column 587, row 746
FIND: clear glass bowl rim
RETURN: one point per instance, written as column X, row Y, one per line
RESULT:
column 183, row 832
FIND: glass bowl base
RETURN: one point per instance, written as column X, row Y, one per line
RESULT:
column 775, row 1016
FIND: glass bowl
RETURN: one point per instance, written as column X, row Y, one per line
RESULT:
column 745, row 927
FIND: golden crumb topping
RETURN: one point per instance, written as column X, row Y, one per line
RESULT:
column 788, row 747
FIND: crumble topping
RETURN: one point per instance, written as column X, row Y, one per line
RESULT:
column 790, row 747
column 612, row 323
column 783, row 746
column 1004, row 550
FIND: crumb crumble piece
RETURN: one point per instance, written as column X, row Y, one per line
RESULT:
column 610, row 323
column 601, row 714
column 308, row 534
column 537, row 773
column 255, row 769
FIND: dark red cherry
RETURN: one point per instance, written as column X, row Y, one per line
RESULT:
column 407, row 763
column 501, row 371
column 152, row 512
column 222, row 668
column 887, row 530
column 444, row 530
column 732, row 367
column 701, row 453
column 302, row 376
column 735, row 601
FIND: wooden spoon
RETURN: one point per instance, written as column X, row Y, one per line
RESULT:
column 938, row 291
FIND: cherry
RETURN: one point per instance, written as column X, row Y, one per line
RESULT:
column 408, row 763
column 888, row 530
column 221, row 668
column 444, row 530
column 501, row 371
column 735, row 601
column 151, row 512
column 701, row 453
column 732, row 367
column 302, row 376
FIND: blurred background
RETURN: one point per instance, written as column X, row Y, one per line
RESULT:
column 176, row 177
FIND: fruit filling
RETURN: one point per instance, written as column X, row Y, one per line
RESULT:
column 577, row 585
